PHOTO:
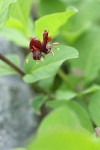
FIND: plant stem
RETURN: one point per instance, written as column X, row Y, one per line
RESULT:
column 65, row 78
column 11, row 64
column 44, row 112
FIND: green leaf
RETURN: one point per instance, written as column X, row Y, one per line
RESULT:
column 6, row 69
column 92, row 89
column 36, row 72
column 52, row 22
column 82, row 115
column 20, row 22
column 82, row 21
column 21, row 11
column 94, row 108
column 56, row 104
column 38, row 101
column 65, row 95
column 11, row 34
column 15, row 24
column 63, row 140
column 14, row 28
column 49, row 83
column 4, row 10
column 89, row 50
column 58, row 119
column 79, row 111
column 48, row 7
column 97, row 143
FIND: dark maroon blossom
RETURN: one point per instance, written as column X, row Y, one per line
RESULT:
column 35, row 48
column 39, row 49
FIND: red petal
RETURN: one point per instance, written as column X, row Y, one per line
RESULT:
column 35, row 44
column 37, row 55
column 45, row 36
column 49, row 38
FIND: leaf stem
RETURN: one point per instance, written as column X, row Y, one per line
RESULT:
column 11, row 64
column 65, row 78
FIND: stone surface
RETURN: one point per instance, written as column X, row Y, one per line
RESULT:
column 17, row 119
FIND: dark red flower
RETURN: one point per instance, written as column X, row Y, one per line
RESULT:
column 46, row 39
column 35, row 48
column 40, row 49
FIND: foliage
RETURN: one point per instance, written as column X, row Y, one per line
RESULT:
column 67, row 89
column 4, row 10
column 35, row 72
column 58, row 20
column 64, row 139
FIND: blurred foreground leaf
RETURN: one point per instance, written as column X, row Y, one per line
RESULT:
column 62, row 140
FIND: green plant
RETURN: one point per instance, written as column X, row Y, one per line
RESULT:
column 67, row 89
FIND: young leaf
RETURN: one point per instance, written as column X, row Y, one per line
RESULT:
column 53, row 22
column 36, row 72
column 5, row 69
column 4, row 10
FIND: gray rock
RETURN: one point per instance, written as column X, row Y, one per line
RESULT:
column 7, row 47
column 17, row 119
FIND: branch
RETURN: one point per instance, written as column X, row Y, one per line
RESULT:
column 11, row 64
